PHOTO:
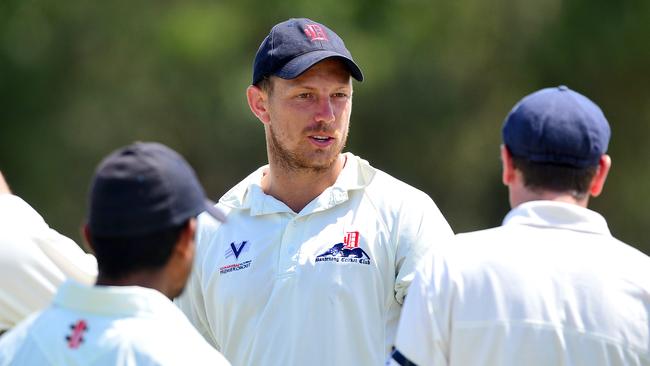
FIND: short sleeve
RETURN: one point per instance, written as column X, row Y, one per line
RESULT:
column 419, row 339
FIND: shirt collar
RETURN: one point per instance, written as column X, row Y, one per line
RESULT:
column 557, row 215
column 110, row 300
column 248, row 194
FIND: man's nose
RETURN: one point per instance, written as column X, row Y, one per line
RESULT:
column 325, row 112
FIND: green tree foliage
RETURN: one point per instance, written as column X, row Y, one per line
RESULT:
column 79, row 78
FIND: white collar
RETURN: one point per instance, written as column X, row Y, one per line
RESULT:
column 248, row 194
column 557, row 215
column 110, row 300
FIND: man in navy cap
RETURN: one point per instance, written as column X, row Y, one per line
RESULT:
column 320, row 247
column 551, row 286
column 144, row 201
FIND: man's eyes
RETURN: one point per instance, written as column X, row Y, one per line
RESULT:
column 311, row 95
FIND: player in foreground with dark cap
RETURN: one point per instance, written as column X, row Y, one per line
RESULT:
column 320, row 247
column 551, row 286
column 144, row 201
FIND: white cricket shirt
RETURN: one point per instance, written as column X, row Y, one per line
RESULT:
column 319, row 287
column 107, row 325
column 549, row 287
column 34, row 261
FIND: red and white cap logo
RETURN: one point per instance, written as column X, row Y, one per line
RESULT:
column 315, row 32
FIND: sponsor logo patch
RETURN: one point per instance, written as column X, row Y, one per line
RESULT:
column 235, row 250
column 234, row 267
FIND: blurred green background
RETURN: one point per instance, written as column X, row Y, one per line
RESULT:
column 79, row 78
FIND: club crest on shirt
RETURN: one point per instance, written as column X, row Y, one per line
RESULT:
column 236, row 250
column 346, row 252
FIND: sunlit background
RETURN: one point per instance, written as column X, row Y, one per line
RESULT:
column 79, row 78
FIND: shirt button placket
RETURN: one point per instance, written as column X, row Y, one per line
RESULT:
column 288, row 256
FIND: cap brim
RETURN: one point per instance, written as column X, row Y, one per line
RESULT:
column 214, row 211
column 300, row 64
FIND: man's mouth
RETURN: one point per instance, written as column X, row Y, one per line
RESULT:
column 321, row 138
column 321, row 141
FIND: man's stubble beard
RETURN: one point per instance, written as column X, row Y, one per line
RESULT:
column 294, row 161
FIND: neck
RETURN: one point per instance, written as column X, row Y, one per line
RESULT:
column 527, row 195
column 149, row 279
column 297, row 187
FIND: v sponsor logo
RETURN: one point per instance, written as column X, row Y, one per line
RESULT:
column 235, row 250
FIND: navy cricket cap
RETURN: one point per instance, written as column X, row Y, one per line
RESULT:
column 295, row 45
column 143, row 188
column 557, row 126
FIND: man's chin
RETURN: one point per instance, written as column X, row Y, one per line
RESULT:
column 320, row 163
column 307, row 160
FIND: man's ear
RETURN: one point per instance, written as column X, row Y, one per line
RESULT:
column 598, row 181
column 508, row 168
column 258, row 103
column 4, row 187
column 185, row 244
column 85, row 232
